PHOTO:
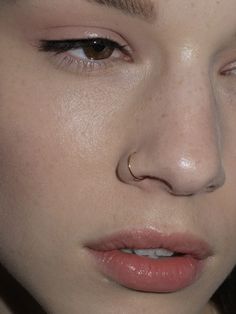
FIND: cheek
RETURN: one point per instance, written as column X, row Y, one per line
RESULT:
column 227, row 212
column 220, row 215
column 49, row 143
column 221, row 220
column 52, row 141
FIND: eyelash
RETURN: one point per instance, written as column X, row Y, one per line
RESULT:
column 63, row 52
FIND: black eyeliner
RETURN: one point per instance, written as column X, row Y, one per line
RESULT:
column 60, row 46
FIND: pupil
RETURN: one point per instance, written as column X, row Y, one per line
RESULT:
column 98, row 51
column 98, row 47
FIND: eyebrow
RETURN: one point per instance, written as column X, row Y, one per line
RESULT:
column 143, row 9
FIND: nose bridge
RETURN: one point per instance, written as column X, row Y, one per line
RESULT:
column 189, row 104
column 187, row 142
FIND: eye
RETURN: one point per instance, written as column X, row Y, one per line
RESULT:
column 98, row 49
column 87, row 54
column 229, row 69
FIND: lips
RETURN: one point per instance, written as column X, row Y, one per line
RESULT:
column 168, row 274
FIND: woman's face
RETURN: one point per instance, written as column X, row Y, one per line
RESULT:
column 70, row 118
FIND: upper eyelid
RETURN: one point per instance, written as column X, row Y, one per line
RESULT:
column 83, row 32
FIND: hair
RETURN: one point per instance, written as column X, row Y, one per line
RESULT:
column 225, row 297
column 16, row 298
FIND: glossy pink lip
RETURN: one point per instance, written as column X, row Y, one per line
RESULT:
column 168, row 274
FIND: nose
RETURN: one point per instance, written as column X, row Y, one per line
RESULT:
column 180, row 136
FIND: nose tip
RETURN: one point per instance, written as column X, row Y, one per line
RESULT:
column 189, row 177
column 185, row 176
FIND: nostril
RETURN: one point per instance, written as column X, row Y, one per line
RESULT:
column 217, row 183
column 211, row 188
column 172, row 190
column 166, row 183
column 182, row 194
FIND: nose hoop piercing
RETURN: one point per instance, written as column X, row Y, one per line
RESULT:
column 130, row 170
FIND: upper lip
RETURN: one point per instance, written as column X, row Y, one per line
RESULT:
column 185, row 243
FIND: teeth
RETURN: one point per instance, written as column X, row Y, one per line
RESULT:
column 128, row 251
column 152, row 253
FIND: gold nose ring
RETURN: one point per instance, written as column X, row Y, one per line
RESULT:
column 130, row 169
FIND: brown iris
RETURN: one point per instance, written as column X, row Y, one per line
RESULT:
column 98, row 50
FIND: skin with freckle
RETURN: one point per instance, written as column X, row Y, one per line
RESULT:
column 68, row 125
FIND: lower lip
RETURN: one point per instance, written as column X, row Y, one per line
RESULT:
column 141, row 273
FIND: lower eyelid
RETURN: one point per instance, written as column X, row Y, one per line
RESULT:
column 70, row 64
